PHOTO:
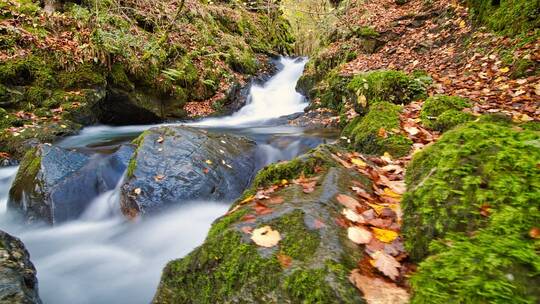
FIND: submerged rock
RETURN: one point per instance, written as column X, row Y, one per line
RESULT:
column 173, row 165
column 18, row 282
column 56, row 184
column 310, row 263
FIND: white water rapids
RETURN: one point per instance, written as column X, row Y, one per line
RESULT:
column 100, row 257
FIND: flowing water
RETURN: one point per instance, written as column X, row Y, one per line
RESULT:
column 102, row 258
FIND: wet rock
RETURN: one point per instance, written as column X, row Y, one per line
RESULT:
column 18, row 282
column 56, row 184
column 173, row 165
column 310, row 264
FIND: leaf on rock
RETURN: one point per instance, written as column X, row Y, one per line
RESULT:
column 359, row 235
column 160, row 139
column 261, row 209
column 348, row 201
column 265, row 236
column 385, row 235
column 386, row 264
column 377, row 291
column 353, row 216
column 358, row 162
column 284, row 260
column 276, row 200
column 247, row 229
column 137, row 191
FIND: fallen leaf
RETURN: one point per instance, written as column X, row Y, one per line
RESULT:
column 377, row 291
column 412, row 130
column 359, row 235
column 265, row 236
column 387, row 157
column 387, row 264
column 318, row 224
column 160, row 140
column 159, row 177
column 247, row 229
column 261, row 209
column 248, row 218
column 384, row 235
column 137, row 191
column 504, row 70
column 209, row 162
column 275, row 200
column 382, row 133
column 358, row 162
column 284, row 260
column 353, row 216
column 534, row 233
column 348, row 201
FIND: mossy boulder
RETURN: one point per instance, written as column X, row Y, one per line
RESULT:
column 230, row 268
column 173, row 165
column 378, row 131
column 472, row 199
column 387, row 85
column 18, row 281
column 442, row 112
column 52, row 184
column 507, row 16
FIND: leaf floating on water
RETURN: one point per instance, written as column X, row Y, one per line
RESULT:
column 159, row 177
column 265, row 237
column 137, row 191
column 359, row 235
column 387, row 264
column 209, row 162
column 384, row 235
column 160, row 140
column 377, row 291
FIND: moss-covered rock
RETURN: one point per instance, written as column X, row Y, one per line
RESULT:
column 378, row 131
column 394, row 86
column 472, row 199
column 443, row 112
column 507, row 16
column 229, row 267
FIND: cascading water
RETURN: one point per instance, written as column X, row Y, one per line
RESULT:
column 101, row 257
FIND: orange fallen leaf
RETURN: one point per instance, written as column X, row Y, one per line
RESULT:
column 275, row 200
column 534, row 233
column 348, row 201
column 261, row 209
column 265, row 236
column 382, row 133
column 284, row 260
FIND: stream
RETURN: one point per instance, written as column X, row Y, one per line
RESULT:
column 103, row 258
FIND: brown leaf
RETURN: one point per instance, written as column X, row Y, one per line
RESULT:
column 348, row 201
column 382, row 133
column 353, row 216
column 248, row 218
column 261, row 209
column 534, row 232
column 275, row 200
column 159, row 177
column 387, row 264
column 266, row 237
column 318, row 224
column 247, row 229
column 377, row 291
column 284, row 260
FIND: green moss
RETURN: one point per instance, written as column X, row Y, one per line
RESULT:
column 119, row 78
column 474, row 256
column 297, row 242
column 242, row 61
column 300, row 285
column 84, row 76
column 443, row 112
column 275, row 173
column 364, row 131
column 507, row 16
column 531, row 125
column 472, row 165
column 393, row 86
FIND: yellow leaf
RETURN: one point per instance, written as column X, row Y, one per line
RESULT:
column 504, row 70
column 209, row 162
column 284, row 182
column 384, row 235
column 391, row 193
column 358, row 162
column 377, row 208
column 247, row 199
column 462, row 24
